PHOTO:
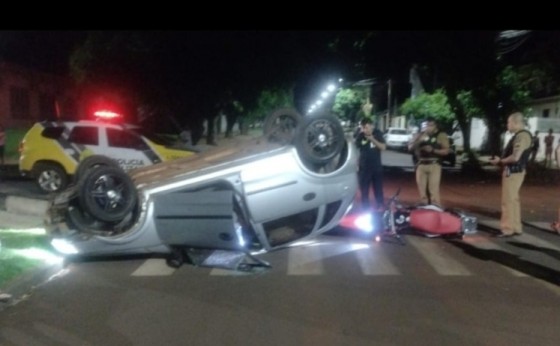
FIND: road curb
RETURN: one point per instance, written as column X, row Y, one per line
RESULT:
column 23, row 205
column 24, row 285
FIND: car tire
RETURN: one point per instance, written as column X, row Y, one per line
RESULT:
column 92, row 162
column 107, row 193
column 281, row 125
column 50, row 176
column 319, row 139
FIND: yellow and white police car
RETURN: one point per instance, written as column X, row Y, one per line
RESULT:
column 50, row 151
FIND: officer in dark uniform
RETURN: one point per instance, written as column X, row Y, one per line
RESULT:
column 514, row 160
column 370, row 143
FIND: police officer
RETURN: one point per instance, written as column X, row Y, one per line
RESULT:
column 370, row 143
column 514, row 160
column 429, row 146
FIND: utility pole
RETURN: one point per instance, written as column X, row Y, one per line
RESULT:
column 389, row 87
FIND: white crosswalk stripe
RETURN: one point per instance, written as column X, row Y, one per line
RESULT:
column 441, row 261
column 227, row 272
column 531, row 239
column 305, row 260
column 373, row 258
column 372, row 261
column 154, row 267
column 483, row 243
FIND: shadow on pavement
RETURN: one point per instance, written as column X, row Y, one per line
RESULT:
column 512, row 261
column 11, row 172
column 550, row 252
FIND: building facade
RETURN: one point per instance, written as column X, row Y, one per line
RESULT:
column 28, row 96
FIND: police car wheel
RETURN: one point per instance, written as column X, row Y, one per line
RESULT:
column 280, row 126
column 319, row 139
column 91, row 162
column 107, row 193
column 51, row 177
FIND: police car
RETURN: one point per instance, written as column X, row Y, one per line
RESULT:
column 51, row 150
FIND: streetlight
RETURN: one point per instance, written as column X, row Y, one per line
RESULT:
column 323, row 96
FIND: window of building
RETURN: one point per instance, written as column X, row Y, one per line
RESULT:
column 19, row 103
column 546, row 113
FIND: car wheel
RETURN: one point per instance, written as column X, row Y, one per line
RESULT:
column 281, row 125
column 319, row 139
column 92, row 162
column 51, row 177
column 107, row 193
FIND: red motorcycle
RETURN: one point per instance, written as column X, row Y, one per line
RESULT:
column 429, row 220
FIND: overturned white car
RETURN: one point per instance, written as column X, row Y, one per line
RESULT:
column 295, row 182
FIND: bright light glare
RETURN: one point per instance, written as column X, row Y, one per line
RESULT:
column 32, row 231
column 304, row 243
column 331, row 87
column 324, row 94
column 358, row 246
column 364, row 222
column 64, row 246
column 106, row 114
column 239, row 234
column 39, row 254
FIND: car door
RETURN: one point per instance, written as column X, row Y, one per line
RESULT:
column 82, row 139
column 128, row 149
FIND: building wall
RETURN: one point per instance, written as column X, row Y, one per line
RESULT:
column 28, row 96
column 546, row 108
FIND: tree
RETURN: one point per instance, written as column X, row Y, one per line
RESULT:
column 510, row 92
column 348, row 102
column 465, row 108
column 433, row 105
column 188, row 74
column 267, row 101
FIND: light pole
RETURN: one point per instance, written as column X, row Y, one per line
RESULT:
column 389, row 87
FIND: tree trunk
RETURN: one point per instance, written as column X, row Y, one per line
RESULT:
column 243, row 125
column 230, row 122
column 210, row 131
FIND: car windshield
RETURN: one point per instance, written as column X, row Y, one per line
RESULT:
column 398, row 132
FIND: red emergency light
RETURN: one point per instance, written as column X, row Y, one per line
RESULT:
column 106, row 115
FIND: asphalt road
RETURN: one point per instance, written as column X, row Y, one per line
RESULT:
column 344, row 289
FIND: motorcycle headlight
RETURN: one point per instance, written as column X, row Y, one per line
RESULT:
column 364, row 222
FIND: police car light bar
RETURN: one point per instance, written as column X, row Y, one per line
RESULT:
column 106, row 114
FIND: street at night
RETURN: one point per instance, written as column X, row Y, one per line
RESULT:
column 175, row 187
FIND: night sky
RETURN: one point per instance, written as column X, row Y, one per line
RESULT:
column 242, row 58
